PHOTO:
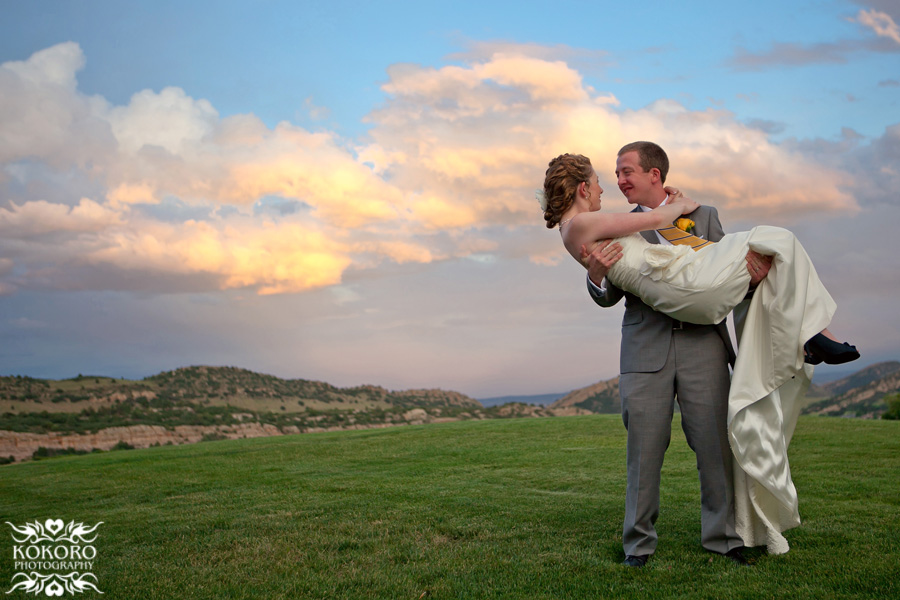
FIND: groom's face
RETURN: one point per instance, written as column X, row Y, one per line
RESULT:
column 634, row 182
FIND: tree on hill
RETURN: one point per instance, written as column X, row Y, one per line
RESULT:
column 893, row 404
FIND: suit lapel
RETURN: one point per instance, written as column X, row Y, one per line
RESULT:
column 650, row 236
column 701, row 223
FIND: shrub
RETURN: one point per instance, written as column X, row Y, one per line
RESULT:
column 43, row 452
column 893, row 404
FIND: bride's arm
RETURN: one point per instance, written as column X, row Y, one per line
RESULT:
column 587, row 228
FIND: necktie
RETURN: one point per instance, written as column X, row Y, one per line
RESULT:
column 683, row 238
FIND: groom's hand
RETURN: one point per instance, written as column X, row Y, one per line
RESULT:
column 600, row 259
column 758, row 266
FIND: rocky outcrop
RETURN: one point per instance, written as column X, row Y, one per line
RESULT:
column 416, row 416
column 602, row 397
column 23, row 445
column 568, row 411
column 522, row 410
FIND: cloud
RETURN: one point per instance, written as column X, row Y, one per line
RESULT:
column 469, row 148
column 55, row 66
column 43, row 115
column 477, row 50
column 169, row 120
column 310, row 167
column 39, row 217
column 790, row 54
column 193, row 201
column 315, row 113
column 873, row 163
column 766, row 126
column 229, row 254
column 881, row 23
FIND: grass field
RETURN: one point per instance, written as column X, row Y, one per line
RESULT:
column 526, row 508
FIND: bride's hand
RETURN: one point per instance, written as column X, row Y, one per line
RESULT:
column 688, row 206
column 676, row 198
column 674, row 193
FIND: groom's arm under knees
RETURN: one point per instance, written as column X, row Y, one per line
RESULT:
column 598, row 262
column 758, row 266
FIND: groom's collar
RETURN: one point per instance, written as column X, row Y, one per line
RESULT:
column 646, row 209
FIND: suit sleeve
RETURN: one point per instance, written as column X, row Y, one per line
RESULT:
column 714, row 231
column 607, row 299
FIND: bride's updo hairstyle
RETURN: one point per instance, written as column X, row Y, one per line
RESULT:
column 561, row 182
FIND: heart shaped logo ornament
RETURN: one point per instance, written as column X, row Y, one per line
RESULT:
column 52, row 526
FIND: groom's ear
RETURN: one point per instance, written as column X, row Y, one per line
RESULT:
column 655, row 175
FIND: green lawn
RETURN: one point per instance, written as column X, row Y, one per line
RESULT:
column 526, row 508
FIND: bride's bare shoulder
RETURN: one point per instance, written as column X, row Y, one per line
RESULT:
column 585, row 220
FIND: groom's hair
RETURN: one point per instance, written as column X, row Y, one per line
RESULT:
column 650, row 156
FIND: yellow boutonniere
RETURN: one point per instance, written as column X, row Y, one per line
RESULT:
column 684, row 224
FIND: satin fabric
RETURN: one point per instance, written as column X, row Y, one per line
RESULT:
column 770, row 378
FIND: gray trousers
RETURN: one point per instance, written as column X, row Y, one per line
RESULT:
column 696, row 372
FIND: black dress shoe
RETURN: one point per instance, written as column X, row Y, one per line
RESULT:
column 636, row 561
column 820, row 348
column 737, row 555
column 808, row 357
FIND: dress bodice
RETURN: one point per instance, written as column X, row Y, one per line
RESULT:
column 697, row 286
column 641, row 258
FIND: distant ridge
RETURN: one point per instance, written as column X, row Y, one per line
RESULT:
column 43, row 417
column 601, row 397
column 860, row 394
column 861, row 378
column 215, row 386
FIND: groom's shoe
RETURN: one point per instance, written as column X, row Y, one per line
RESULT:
column 820, row 348
column 737, row 555
column 636, row 561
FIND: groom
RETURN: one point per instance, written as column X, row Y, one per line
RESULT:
column 663, row 360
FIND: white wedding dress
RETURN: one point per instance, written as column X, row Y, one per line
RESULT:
column 770, row 377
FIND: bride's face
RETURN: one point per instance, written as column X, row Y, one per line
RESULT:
column 594, row 192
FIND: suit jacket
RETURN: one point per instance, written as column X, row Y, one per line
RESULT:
column 646, row 333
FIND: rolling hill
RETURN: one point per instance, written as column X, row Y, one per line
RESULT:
column 85, row 413
column 858, row 395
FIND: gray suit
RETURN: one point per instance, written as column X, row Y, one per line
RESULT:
column 660, row 361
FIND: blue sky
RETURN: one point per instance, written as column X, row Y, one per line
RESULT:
column 342, row 191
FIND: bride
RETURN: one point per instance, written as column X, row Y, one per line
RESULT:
column 698, row 281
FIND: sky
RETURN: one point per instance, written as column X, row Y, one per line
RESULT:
column 344, row 191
